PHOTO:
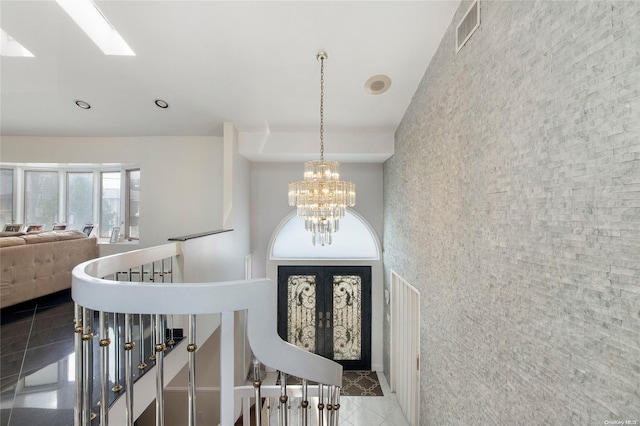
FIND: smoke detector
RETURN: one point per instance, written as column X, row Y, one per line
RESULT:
column 378, row 84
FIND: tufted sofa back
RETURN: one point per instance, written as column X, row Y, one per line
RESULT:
column 34, row 265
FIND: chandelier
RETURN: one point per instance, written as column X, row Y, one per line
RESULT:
column 321, row 198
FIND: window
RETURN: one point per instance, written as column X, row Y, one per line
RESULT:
column 109, row 203
column 133, row 204
column 106, row 195
column 79, row 199
column 6, row 196
column 354, row 241
column 41, row 198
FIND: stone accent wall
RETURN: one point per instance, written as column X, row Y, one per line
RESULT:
column 513, row 204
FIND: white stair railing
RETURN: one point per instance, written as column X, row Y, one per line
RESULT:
column 98, row 290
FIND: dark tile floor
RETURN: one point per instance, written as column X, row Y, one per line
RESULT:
column 37, row 362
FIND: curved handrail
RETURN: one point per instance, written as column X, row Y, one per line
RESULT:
column 258, row 296
column 108, row 265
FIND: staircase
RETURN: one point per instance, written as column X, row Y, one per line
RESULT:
column 129, row 308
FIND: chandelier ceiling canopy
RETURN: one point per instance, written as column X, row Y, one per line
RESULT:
column 321, row 198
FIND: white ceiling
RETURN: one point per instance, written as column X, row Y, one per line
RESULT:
column 252, row 63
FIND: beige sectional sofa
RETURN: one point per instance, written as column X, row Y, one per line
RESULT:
column 37, row 264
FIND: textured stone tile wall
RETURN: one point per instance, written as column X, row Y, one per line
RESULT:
column 513, row 204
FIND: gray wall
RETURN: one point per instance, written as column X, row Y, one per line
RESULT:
column 513, row 204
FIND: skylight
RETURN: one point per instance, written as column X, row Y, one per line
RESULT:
column 92, row 21
column 10, row 47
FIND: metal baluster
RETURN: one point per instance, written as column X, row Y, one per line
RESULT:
column 257, row 383
column 128, row 368
column 171, row 341
column 336, row 406
column 104, row 367
column 329, row 405
column 78, row 328
column 268, row 411
column 117, row 387
column 152, row 319
column 162, row 270
column 305, row 404
column 320, row 404
column 283, row 414
column 142, row 365
column 160, row 347
column 191, row 348
column 333, row 404
column 87, row 374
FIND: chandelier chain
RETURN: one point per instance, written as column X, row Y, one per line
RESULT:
column 322, row 108
column 322, row 198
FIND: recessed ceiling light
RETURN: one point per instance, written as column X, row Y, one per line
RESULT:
column 93, row 22
column 10, row 47
column 161, row 103
column 378, row 84
column 82, row 104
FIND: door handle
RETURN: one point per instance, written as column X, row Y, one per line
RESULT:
column 324, row 317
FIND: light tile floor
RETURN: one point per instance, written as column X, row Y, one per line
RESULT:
column 372, row 410
column 355, row 410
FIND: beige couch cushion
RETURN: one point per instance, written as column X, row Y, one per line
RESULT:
column 12, row 241
column 11, row 234
column 52, row 236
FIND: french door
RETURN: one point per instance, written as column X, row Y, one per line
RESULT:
column 327, row 310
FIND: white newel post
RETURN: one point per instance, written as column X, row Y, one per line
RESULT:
column 227, row 380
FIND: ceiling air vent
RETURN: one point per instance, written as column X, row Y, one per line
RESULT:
column 467, row 26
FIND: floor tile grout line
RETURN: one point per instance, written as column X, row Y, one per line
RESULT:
column 24, row 357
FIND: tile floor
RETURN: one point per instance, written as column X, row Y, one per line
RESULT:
column 37, row 363
column 354, row 410
column 37, row 371
column 372, row 410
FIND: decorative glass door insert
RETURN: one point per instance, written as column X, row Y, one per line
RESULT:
column 327, row 310
column 347, row 317
column 301, row 306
